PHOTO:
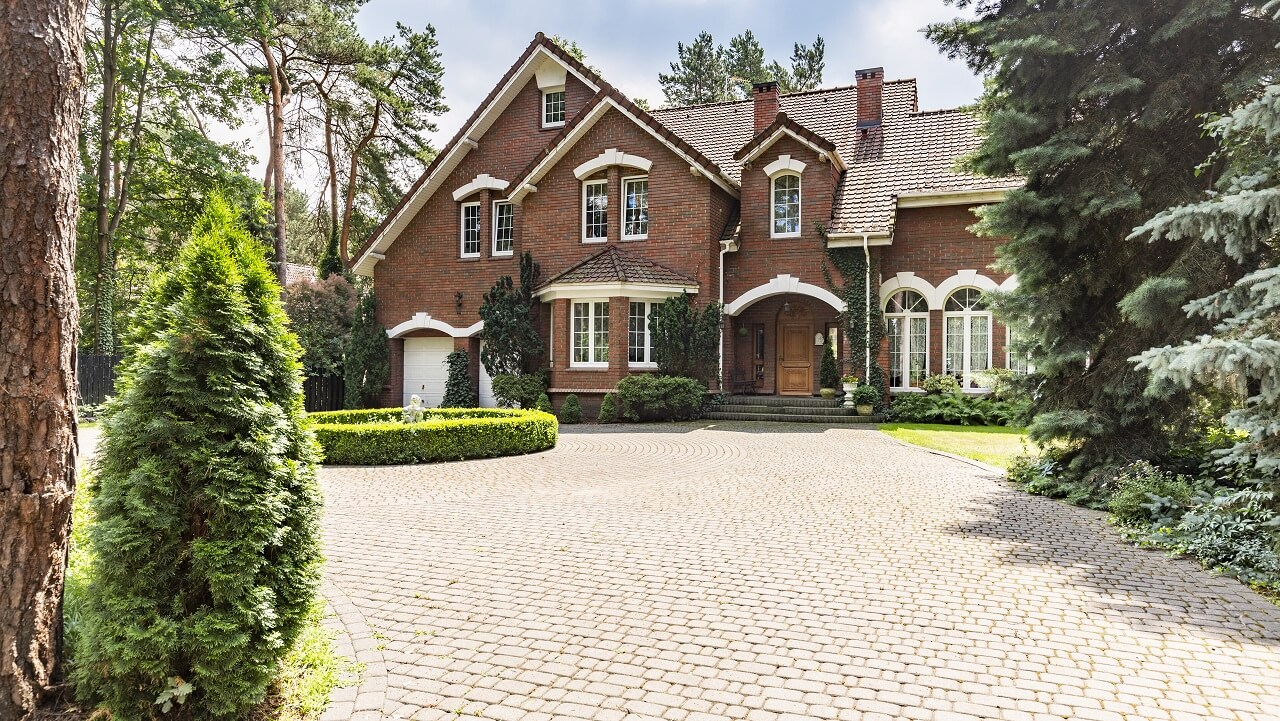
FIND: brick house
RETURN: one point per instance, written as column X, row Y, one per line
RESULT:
column 731, row 202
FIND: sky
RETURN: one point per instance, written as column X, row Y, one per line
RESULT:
column 631, row 41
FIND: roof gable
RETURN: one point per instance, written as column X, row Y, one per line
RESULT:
column 783, row 126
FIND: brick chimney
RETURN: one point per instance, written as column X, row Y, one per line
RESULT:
column 766, row 97
column 870, row 97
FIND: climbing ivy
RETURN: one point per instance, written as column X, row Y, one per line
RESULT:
column 853, row 268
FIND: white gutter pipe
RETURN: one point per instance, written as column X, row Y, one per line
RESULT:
column 724, row 248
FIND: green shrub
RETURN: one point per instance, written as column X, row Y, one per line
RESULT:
column 571, row 410
column 608, row 409
column 649, row 397
column 543, row 404
column 519, row 390
column 1145, row 495
column 459, row 391
column 865, row 395
column 686, row 339
column 829, row 372
column 365, row 366
column 205, row 544
column 957, row 409
column 940, row 383
column 1234, row 530
column 379, row 437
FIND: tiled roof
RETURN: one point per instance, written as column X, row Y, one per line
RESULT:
column 614, row 265
column 910, row 152
column 780, row 122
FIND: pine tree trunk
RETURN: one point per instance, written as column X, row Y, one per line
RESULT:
column 276, row 135
column 41, row 96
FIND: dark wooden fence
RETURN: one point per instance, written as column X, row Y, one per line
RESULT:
column 324, row 393
column 96, row 375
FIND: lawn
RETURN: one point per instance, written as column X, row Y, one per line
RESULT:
column 995, row 445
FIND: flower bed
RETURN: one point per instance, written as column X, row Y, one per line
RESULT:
column 380, row 436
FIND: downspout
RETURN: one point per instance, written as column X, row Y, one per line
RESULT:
column 866, row 254
column 724, row 248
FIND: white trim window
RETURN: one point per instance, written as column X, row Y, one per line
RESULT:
column 1017, row 362
column 785, row 215
column 553, row 108
column 504, row 227
column 966, row 336
column 639, row 339
column 635, row 208
column 907, row 319
column 589, row 337
column 470, row 230
column 595, row 211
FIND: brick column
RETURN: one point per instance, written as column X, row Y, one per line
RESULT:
column 615, row 205
column 935, row 342
column 393, row 393
column 619, row 312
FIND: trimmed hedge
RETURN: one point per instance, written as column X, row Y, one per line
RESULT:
column 649, row 397
column 378, row 436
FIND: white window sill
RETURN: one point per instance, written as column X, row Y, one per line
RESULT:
column 552, row 126
column 596, row 240
column 636, row 237
column 784, row 236
column 643, row 366
column 589, row 366
column 906, row 391
column 503, row 253
column 469, row 256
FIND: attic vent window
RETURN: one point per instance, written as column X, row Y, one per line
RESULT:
column 553, row 108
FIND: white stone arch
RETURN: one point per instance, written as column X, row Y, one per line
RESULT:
column 424, row 321
column 784, row 164
column 612, row 156
column 962, row 279
column 480, row 182
column 909, row 281
column 780, row 285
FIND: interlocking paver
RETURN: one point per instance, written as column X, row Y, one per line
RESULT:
column 694, row 571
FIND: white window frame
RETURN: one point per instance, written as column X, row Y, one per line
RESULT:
column 493, row 248
column 967, row 379
column 773, row 205
column 905, row 350
column 542, row 107
column 587, row 184
column 462, row 234
column 591, row 333
column 649, row 361
column 1008, row 355
column 625, row 182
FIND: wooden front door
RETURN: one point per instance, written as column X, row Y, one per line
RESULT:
column 795, row 358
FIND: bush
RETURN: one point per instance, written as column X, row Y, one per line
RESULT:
column 608, row 409
column 365, row 366
column 205, row 545
column 1233, row 530
column 865, row 395
column 957, row 409
column 829, row 372
column 571, row 410
column 543, row 404
column 459, row 392
column 1145, row 495
column 659, row 398
column 519, row 391
column 378, row 437
column 320, row 313
column 940, row 383
column 686, row 340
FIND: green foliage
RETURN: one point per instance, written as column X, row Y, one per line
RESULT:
column 648, row 397
column 206, row 541
column 330, row 262
column 519, row 391
column 1145, row 495
column 940, row 383
column 865, row 396
column 321, row 313
column 571, row 410
column 708, row 73
column 543, row 403
column 955, row 408
column 608, row 409
column 686, row 340
column 1233, row 530
column 829, row 371
column 378, row 437
column 1101, row 117
column 459, row 391
column 365, row 366
column 512, row 345
column 864, row 323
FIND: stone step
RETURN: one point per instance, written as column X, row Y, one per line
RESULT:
column 788, row 410
column 807, row 401
column 869, row 421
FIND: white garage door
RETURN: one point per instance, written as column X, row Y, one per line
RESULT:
column 425, row 370
column 486, row 387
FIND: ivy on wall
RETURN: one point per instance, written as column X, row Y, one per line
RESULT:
column 853, row 268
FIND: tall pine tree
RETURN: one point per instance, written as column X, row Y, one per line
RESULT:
column 1097, row 103
column 699, row 75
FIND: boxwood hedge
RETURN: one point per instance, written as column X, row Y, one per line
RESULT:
column 378, row 436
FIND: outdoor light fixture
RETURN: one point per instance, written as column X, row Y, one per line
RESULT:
column 786, row 307
column 457, row 302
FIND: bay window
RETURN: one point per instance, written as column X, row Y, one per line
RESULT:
column 590, row 334
column 639, row 339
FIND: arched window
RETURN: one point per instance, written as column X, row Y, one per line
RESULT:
column 786, row 206
column 907, row 317
column 967, row 337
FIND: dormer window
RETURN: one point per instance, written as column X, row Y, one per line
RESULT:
column 786, row 206
column 553, row 108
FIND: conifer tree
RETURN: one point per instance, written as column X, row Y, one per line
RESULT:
column 1241, row 221
column 744, row 61
column 699, row 75
column 1096, row 103
column 205, row 540
column 365, row 365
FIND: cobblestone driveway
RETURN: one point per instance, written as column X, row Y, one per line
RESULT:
column 719, row 571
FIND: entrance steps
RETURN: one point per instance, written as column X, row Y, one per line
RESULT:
column 787, row 409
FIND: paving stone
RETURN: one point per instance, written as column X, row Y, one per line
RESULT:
column 766, row 572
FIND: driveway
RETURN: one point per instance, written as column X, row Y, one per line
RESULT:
column 711, row 571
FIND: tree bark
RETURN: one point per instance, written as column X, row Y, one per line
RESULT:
column 41, row 98
column 276, row 132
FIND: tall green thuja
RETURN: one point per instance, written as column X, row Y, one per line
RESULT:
column 205, row 543
column 365, row 365
column 1096, row 103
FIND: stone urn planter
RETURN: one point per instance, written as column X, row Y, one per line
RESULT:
column 849, row 384
column 866, row 409
column 827, row 393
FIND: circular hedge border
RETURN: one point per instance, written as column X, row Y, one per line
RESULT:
column 378, row 436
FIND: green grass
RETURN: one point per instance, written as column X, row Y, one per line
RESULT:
column 994, row 445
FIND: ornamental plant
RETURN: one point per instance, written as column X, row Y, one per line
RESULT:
column 829, row 371
column 608, row 409
column 686, row 340
column 571, row 410
column 365, row 365
column 459, row 391
column 205, row 540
